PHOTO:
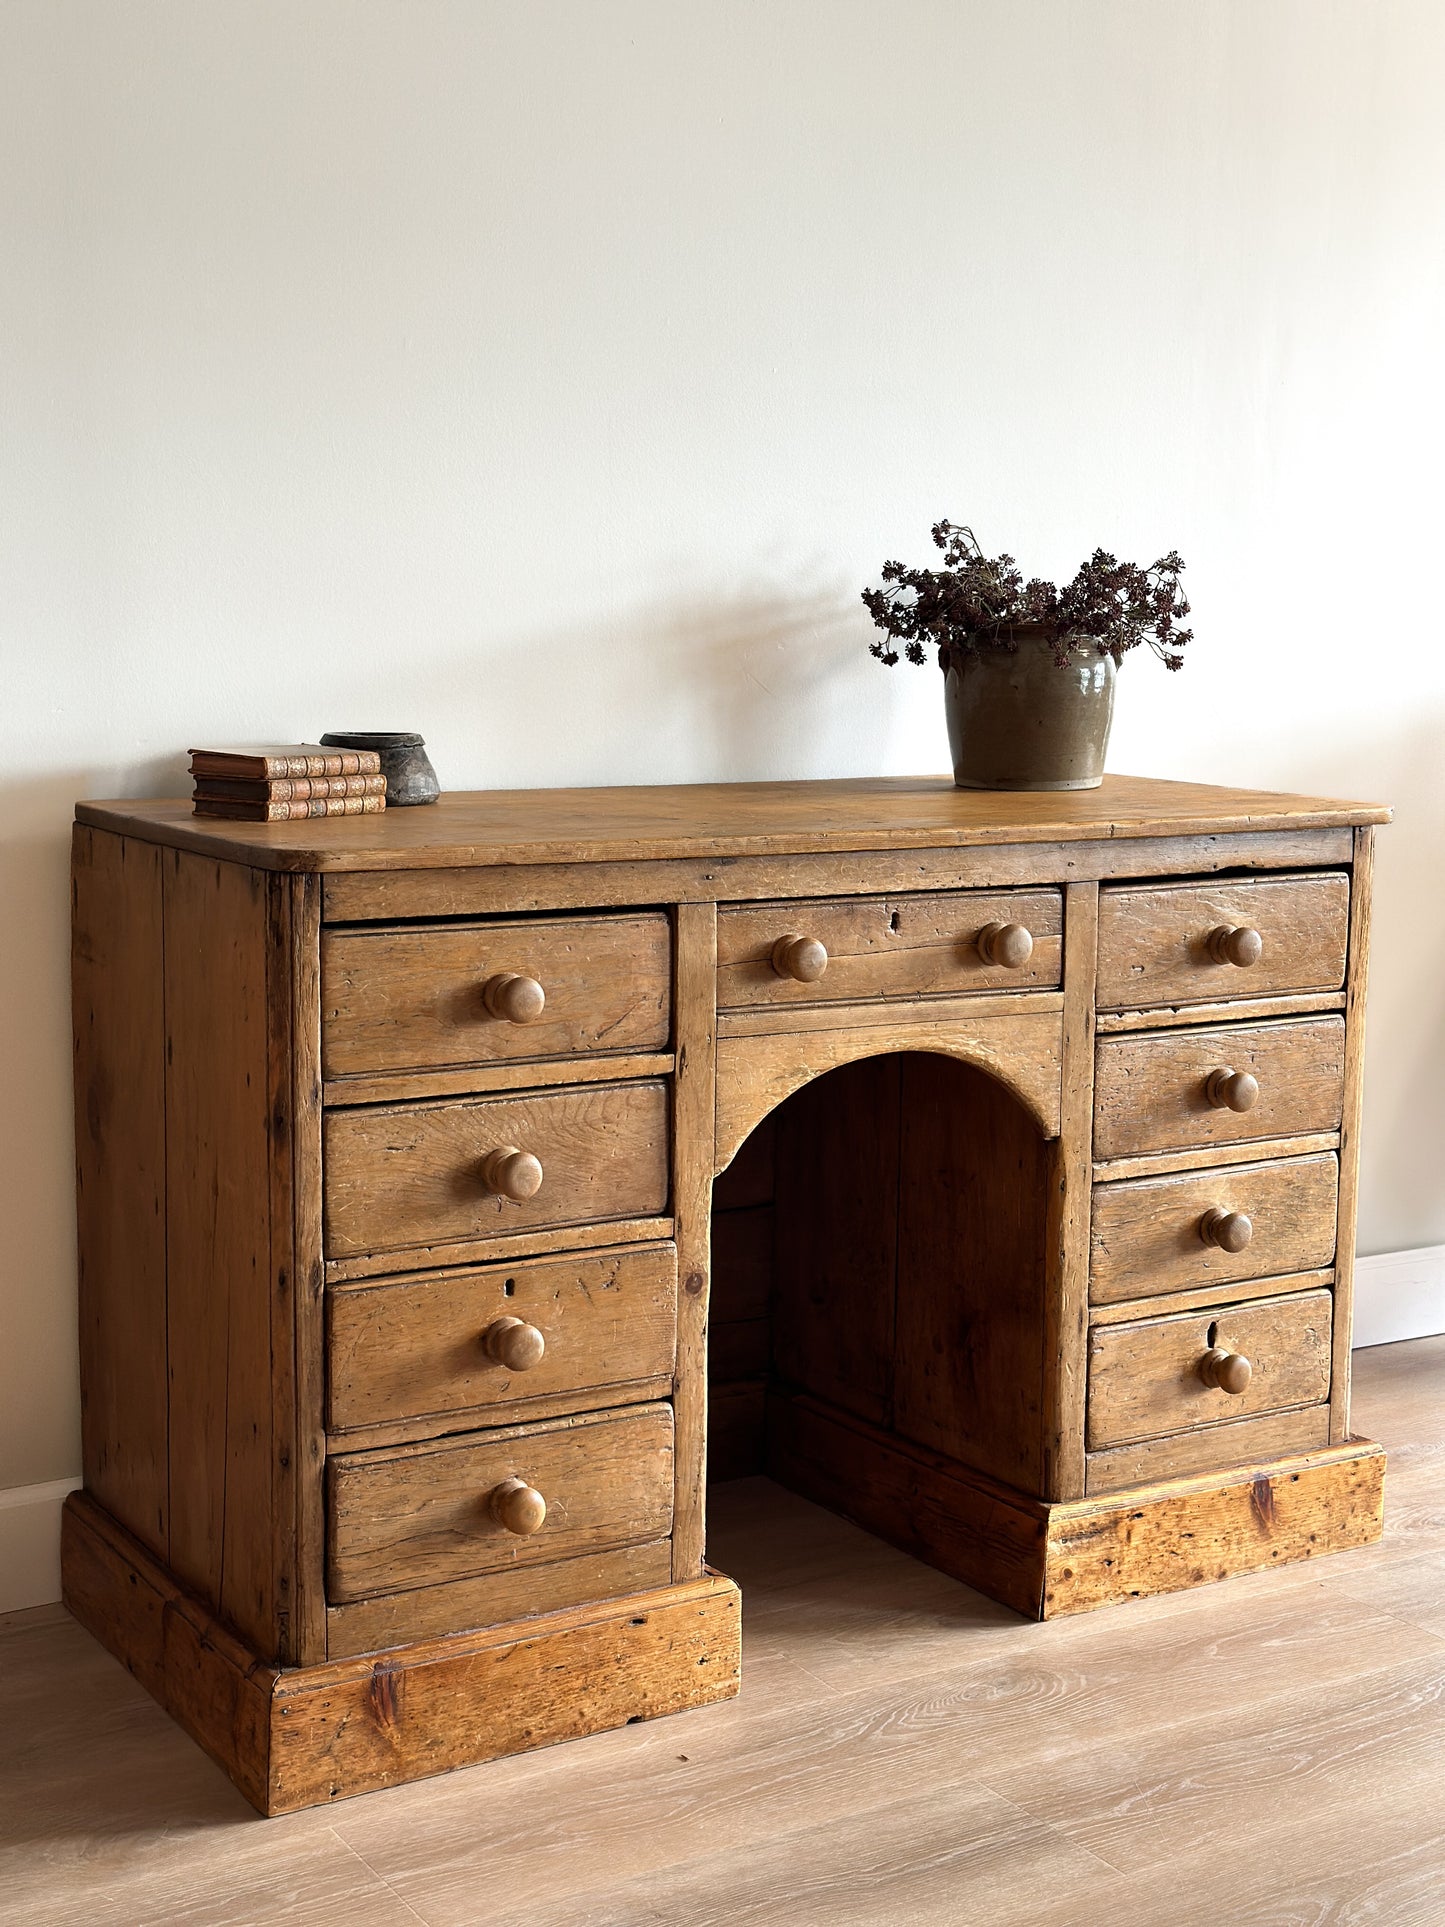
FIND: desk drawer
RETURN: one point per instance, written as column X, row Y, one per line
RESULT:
column 1204, row 942
column 416, row 1347
column 1149, row 1379
column 403, row 1175
column 1157, row 1235
column 423, row 1515
column 417, row 998
column 1169, row 1090
column 876, row 948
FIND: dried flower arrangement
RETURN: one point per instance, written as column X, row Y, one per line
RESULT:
column 978, row 602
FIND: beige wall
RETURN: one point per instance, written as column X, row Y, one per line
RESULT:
column 549, row 377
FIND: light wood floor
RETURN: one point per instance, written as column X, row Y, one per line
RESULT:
column 1269, row 1751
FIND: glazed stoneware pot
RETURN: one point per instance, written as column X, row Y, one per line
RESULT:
column 410, row 778
column 1017, row 721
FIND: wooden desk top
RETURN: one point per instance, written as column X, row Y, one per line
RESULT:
column 487, row 827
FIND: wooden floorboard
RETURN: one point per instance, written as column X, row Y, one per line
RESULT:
column 1265, row 1752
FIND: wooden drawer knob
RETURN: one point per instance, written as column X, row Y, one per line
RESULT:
column 519, row 1507
column 1227, row 1090
column 1235, row 944
column 510, row 1173
column 1230, row 1230
column 515, row 999
column 802, row 958
column 514, row 1343
column 1226, row 1371
column 1008, row 944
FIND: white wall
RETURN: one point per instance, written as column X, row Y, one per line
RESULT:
column 549, row 378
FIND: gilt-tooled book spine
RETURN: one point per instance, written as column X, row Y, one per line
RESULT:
column 290, row 812
column 270, row 761
column 287, row 789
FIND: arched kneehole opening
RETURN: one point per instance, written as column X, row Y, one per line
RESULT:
column 878, row 1269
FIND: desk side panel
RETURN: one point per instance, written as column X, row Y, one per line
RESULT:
column 230, row 1344
column 117, row 965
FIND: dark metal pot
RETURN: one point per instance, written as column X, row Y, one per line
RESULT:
column 405, row 764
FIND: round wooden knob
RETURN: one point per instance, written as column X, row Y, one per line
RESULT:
column 1235, row 944
column 1009, row 944
column 519, row 1507
column 514, row 1343
column 1226, row 1371
column 1228, row 1090
column 510, row 1173
column 802, row 958
column 515, row 999
column 1230, row 1230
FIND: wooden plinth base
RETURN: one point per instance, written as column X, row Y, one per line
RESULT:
column 1046, row 1560
column 296, row 1738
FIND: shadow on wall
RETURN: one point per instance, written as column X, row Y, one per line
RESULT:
column 737, row 685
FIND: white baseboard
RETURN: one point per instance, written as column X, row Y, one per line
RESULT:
column 30, row 1544
column 1399, row 1294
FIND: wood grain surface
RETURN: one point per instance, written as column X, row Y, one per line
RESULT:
column 407, row 1347
column 1146, row 1237
column 354, row 1726
column 1189, row 1531
column 412, row 998
column 1144, row 1378
column 1179, row 1455
column 694, row 1088
column 418, row 1516
column 225, row 1425
column 409, row 1175
column 973, row 1208
column 836, row 1237
column 117, row 988
column 882, row 947
column 495, row 1598
column 1066, row 1252
column 1153, row 943
column 389, row 896
column 1149, row 1088
column 755, row 1074
column 507, row 827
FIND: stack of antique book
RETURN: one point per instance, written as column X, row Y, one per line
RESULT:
column 274, row 784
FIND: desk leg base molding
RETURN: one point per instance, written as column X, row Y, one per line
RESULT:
column 301, row 1737
column 1047, row 1560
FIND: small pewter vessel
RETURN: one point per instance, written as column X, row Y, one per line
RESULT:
column 410, row 778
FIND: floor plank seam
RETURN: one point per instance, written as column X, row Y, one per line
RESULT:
column 377, row 1874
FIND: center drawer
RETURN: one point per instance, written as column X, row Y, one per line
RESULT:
column 433, row 1174
column 498, row 1335
column 424, row 1514
column 430, row 996
column 868, row 948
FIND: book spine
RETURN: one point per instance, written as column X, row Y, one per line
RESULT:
column 287, row 789
column 291, row 812
column 331, row 762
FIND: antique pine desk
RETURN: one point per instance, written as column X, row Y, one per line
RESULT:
column 993, row 1155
